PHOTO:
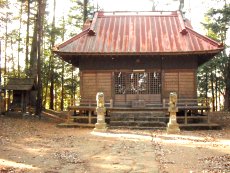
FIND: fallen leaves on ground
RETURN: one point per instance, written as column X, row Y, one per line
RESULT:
column 68, row 157
column 216, row 163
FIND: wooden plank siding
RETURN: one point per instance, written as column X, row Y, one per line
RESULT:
column 128, row 98
column 182, row 82
column 187, row 85
column 93, row 82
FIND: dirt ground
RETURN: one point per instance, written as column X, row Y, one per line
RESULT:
column 33, row 145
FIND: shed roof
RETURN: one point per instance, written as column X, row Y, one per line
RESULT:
column 137, row 33
column 22, row 84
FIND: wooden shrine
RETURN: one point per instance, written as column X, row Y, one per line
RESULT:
column 137, row 58
column 20, row 95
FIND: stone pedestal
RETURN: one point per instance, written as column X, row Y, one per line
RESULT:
column 173, row 126
column 100, row 126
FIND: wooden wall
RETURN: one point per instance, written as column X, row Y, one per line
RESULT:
column 137, row 62
column 178, row 74
column 93, row 82
column 183, row 82
column 117, row 63
column 128, row 98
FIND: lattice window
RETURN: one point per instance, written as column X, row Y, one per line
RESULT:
column 138, row 83
column 155, row 83
column 120, row 83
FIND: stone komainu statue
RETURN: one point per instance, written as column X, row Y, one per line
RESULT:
column 100, row 100
column 172, row 101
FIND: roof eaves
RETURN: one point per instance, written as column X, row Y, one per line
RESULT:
column 18, row 87
column 57, row 47
column 214, row 51
column 207, row 39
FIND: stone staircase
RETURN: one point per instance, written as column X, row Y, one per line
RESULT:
column 138, row 119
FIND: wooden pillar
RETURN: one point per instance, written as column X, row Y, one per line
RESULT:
column 22, row 101
column 186, row 117
column 90, row 117
column 68, row 116
column 162, row 79
column 164, row 103
column 111, row 103
column 208, row 114
column 112, row 86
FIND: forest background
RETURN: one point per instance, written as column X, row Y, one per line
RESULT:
column 29, row 29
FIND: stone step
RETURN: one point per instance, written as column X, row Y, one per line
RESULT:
column 135, row 115
column 137, row 127
column 138, row 123
column 200, row 126
column 139, row 118
column 153, row 119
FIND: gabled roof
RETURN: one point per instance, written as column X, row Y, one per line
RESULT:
column 137, row 33
column 23, row 84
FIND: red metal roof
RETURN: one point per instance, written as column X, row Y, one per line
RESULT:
column 159, row 33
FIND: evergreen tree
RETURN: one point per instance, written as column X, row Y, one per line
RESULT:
column 218, row 22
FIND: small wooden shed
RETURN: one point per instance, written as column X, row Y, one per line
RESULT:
column 21, row 94
column 138, row 56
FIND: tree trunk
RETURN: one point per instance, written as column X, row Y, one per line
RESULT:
column 227, row 91
column 19, row 40
column 63, row 69
column 219, row 99
column 72, row 88
column 51, row 106
column 181, row 6
column 41, row 12
column 46, row 85
column 27, row 38
column 34, row 51
column 62, row 85
column 227, row 67
column 12, row 56
column 85, row 11
column 0, row 63
column 212, row 91
column 216, row 90
column 55, row 98
column 6, row 40
column 206, row 88
column 227, row 99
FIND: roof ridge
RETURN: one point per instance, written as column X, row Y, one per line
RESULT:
column 182, row 24
column 173, row 11
column 92, row 26
column 133, row 13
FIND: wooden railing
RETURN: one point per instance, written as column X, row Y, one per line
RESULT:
column 87, row 102
column 200, row 102
column 87, row 107
column 193, row 109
